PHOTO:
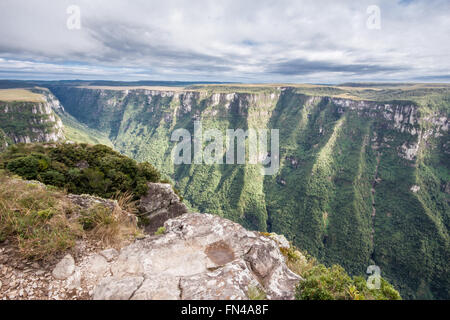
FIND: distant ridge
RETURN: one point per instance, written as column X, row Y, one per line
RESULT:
column 6, row 84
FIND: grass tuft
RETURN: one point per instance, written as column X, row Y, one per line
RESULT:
column 43, row 222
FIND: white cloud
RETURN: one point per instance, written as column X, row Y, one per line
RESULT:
column 271, row 41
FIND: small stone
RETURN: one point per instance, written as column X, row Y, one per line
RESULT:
column 65, row 268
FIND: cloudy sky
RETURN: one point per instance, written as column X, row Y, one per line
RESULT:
column 318, row 41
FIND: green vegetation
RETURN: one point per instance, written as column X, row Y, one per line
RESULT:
column 256, row 293
column 80, row 168
column 4, row 141
column 322, row 283
column 18, row 119
column 333, row 283
column 113, row 227
column 36, row 218
column 160, row 231
column 77, row 132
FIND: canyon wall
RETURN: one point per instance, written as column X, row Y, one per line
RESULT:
column 25, row 122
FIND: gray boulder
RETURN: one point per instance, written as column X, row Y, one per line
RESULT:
column 160, row 204
column 65, row 268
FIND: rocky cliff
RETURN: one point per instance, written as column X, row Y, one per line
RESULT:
column 158, row 205
column 362, row 179
column 5, row 141
column 199, row 257
column 26, row 122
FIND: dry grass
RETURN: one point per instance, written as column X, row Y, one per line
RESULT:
column 35, row 218
column 126, row 202
column 112, row 228
column 22, row 95
column 297, row 261
column 43, row 222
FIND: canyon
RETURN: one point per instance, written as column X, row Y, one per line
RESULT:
column 363, row 178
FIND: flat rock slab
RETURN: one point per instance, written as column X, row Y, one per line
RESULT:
column 199, row 257
column 117, row 288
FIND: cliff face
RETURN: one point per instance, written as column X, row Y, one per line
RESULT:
column 4, row 141
column 360, row 182
column 28, row 122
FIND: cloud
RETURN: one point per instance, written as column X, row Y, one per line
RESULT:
column 305, row 67
column 230, row 40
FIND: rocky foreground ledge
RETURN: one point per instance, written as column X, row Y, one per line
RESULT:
column 200, row 256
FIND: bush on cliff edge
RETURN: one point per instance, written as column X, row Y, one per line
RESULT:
column 80, row 168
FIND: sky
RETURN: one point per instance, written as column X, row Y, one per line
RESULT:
column 264, row 41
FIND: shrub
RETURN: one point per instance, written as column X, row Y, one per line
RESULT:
column 96, row 216
column 147, row 171
column 322, row 283
column 80, row 168
column 52, row 177
column 26, row 167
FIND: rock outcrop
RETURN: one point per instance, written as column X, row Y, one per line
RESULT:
column 26, row 122
column 199, row 257
column 160, row 204
column 4, row 141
